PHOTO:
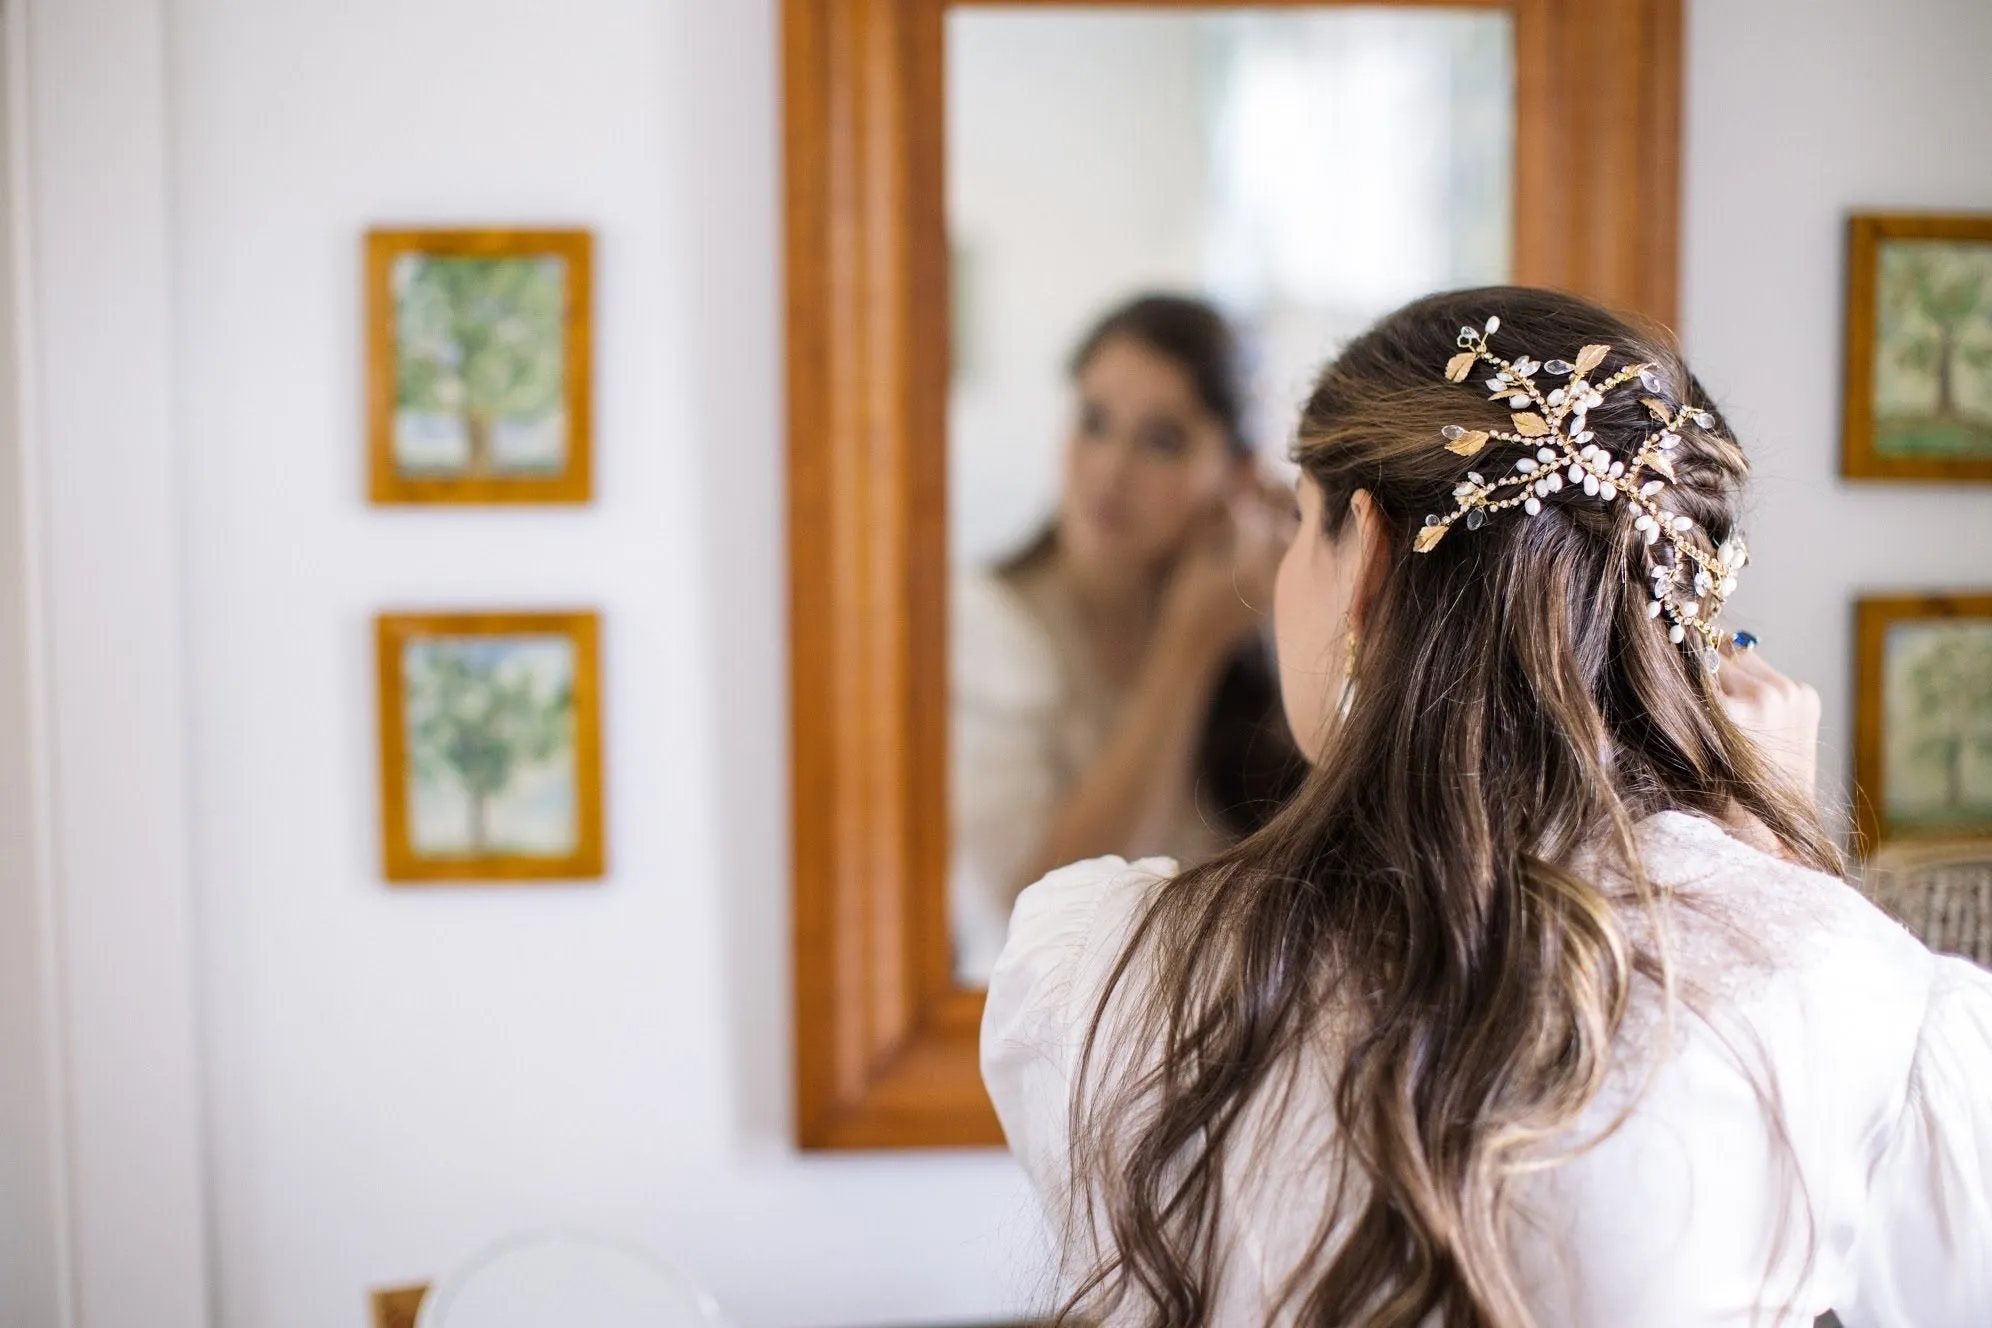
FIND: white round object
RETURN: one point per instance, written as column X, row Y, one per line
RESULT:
column 564, row 1279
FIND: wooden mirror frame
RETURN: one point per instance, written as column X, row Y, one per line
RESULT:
column 886, row 1043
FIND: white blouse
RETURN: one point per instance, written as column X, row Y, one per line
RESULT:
column 1876, row 1053
column 1028, row 716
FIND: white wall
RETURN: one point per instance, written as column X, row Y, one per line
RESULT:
column 1129, row 218
column 1798, row 112
column 31, row 1225
column 396, row 1076
column 393, row 1077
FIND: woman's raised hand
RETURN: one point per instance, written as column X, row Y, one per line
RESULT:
column 1268, row 522
column 1222, row 585
column 1780, row 714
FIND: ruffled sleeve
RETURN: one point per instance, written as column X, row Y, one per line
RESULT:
column 1065, row 935
column 1925, row 1256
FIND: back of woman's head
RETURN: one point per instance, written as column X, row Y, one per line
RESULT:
column 1451, row 888
column 1524, row 660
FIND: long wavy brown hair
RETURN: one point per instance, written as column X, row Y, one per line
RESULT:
column 1455, row 891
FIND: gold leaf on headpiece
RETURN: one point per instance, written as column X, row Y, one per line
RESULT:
column 1530, row 425
column 1460, row 365
column 1656, row 406
column 1658, row 461
column 1468, row 443
column 1590, row 358
column 1429, row 537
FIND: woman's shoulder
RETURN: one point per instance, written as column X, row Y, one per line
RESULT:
column 1000, row 650
column 1873, row 1050
column 1779, row 917
column 1065, row 936
column 1797, row 962
column 1067, row 928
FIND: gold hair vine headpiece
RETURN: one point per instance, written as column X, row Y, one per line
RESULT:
column 1553, row 424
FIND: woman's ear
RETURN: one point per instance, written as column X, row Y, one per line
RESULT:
column 1370, row 555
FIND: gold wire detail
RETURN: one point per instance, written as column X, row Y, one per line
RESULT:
column 1690, row 585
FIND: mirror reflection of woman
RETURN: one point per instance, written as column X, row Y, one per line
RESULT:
column 1112, row 692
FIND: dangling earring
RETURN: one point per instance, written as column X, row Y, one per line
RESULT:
column 1348, row 698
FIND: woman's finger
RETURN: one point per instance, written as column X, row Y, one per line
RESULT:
column 1745, row 669
column 1739, row 672
column 1212, row 530
column 1739, row 646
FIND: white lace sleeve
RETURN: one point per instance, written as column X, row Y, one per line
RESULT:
column 1003, row 768
column 1925, row 1257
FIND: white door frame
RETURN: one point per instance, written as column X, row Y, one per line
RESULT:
column 89, row 214
column 34, row 1227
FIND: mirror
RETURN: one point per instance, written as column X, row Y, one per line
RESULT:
column 1160, row 223
column 968, row 189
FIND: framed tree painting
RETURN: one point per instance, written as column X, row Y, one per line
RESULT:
column 490, row 746
column 478, row 369
column 398, row 1307
column 1923, row 721
column 1919, row 348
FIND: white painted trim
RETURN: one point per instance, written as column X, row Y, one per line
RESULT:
column 44, row 1209
column 91, row 251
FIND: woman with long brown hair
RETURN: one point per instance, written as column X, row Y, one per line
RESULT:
column 1112, row 687
column 1544, row 1001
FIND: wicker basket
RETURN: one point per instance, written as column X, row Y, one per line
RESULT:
column 1943, row 894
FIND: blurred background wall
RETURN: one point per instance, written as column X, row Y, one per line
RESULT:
column 397, row 1076
column 1308, row 173
column 1797, row 114
column 284, row 1082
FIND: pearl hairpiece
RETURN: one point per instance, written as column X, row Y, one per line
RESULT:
column 1553, row 425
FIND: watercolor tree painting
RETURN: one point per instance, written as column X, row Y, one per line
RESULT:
column 480, row 364
column 1938, row 697
column 490, row 742
column 1933, row 349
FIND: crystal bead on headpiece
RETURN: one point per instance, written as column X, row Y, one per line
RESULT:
column 1689, row 584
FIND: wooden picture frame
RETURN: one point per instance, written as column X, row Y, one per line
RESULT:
column 886, row 1043
column 541, row 707
column 1864, row 452
column 398, row 1307
column 551, row 298
column 1878, row 822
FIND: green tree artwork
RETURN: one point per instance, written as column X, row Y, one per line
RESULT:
column 1939, row 724
column 1933, row 349
column 480, row 364
column 490, row 742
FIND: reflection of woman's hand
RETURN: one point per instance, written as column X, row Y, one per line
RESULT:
column 1222, row 585
column 1780, row 714
column 1265, row 521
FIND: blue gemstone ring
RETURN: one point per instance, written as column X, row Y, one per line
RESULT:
column 1745, row 640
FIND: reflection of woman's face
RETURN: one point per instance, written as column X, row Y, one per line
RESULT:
column 1146, row 460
